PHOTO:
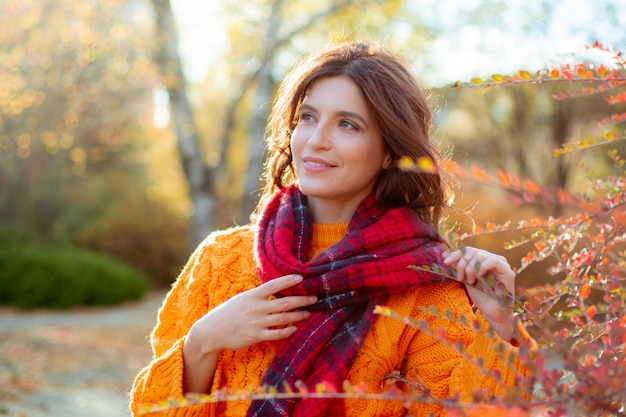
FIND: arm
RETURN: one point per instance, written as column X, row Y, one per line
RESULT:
column 208, row 311
column 163, row 377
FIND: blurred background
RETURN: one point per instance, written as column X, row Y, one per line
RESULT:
column 130, row 129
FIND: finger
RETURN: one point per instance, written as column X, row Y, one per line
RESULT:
column 500, row 270
column 471, row 271
column 461, row 268
column 495, row 266
column 282, row 319
column 494, row 288
column 290, row 303
column 277, row 334
column 490, row 266
column 451, row 258
column 278, row 284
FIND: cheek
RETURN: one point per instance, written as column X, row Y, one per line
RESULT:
column 374, row 156
column 295, row 141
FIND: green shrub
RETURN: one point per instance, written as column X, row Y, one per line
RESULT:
column 33, row 275
column 157, row 244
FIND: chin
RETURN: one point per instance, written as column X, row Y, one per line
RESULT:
column 308, row 190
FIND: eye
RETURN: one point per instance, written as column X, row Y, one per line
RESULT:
column 347, row 124
column 305, row 118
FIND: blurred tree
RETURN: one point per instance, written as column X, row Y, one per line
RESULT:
column 200, row 176
column 519, row 130
column 76, row 107
column 74, row 83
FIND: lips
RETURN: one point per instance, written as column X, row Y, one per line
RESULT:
column 313, row 162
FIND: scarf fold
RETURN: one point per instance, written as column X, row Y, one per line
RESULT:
column 350, row 278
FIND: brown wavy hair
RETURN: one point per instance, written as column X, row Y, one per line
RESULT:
column 394, row 98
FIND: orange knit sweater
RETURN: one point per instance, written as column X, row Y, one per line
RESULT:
column 223, row 266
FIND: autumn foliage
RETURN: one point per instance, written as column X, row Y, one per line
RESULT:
column 578, row 314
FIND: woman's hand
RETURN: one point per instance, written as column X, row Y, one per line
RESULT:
column 250, row 317
column 253, row 316
column 490, row 283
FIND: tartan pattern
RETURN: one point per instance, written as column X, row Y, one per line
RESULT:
column 349, row 279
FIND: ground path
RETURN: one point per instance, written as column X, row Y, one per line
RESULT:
column 73, row 363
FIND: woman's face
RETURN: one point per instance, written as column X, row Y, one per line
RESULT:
column 338, row 150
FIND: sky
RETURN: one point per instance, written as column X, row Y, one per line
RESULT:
column 465, row 51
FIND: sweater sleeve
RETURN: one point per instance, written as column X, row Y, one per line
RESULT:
column 441, row 371
column 185, row 303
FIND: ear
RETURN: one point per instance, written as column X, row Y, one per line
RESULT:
column 387, row 161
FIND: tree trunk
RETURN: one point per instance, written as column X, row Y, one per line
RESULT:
column 200, row 176
column 561, row 129
column 262, row 107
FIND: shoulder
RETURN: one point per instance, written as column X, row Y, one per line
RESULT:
column 231, row 236
column 224, row 261
column 218, row 251
column 231, row 241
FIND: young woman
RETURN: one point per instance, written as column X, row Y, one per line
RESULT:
column 291, row 296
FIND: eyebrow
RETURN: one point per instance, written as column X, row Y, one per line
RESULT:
column 341, row 113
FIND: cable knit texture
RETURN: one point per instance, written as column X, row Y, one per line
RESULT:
column 223, row 266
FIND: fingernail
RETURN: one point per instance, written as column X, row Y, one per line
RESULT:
column 313, row 299
column 297, row 278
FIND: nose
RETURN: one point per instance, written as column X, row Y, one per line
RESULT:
column 320, row 136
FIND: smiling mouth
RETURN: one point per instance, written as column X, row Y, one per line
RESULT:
column 317, row 164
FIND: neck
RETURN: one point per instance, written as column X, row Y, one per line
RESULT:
column 325, row 212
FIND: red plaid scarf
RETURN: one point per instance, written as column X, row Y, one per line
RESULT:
column 349, row 279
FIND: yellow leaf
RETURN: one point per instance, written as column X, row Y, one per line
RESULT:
column 406, row 163
column 497, row 77
column 525, row 75
column 476, row 80
column 382, row 310
column 426, row 164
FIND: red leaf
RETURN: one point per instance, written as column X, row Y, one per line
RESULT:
column 505, row 179
column 591, row 311
column 532, row 187
column 481, row 175
column 584, row 291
